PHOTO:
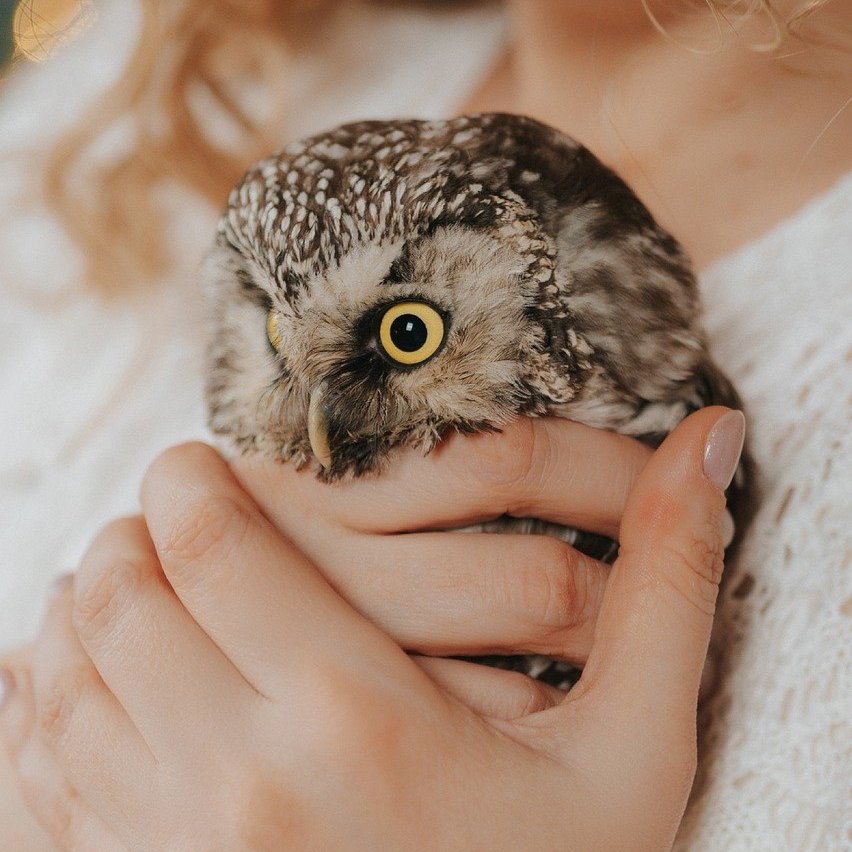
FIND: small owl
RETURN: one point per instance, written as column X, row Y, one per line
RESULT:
column 387, row 282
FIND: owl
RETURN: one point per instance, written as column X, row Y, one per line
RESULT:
column 388, row 282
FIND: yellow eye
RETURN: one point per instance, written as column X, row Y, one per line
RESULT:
column 411, row 332
column 272, row 332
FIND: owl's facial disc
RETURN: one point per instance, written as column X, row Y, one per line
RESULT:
column 354, row 360
column 406, row 334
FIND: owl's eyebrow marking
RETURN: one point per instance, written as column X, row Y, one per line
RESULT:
column 250, row 290
column 401, row 269
column 292, row 280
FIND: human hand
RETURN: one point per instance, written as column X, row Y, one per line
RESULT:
column 444, row 593
column 325, row 735
column 451, row 593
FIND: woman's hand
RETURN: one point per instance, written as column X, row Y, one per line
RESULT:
column 202, row 686
column 443, row 593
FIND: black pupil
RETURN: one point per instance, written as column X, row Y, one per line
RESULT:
column 408, row 332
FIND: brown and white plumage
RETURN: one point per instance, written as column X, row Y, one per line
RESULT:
column 557, row 294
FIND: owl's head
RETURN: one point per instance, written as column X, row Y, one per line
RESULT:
column 397, row 343
column 381, row 285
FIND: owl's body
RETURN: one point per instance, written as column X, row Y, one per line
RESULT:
column 417, row 277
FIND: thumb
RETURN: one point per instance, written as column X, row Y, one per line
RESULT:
column 654, row 625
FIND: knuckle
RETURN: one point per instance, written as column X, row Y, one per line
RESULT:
column 50, row 807
column 337, row 724
column 679, row 545
column 543, row 465
column 536, row 697
column 214, row 525
column 57, row 810
column 263, row 810
column 505, row 459
column 65, row 827
column 703, row 561
column 354, row 727
column 704, row 555
column 101, row 597
column 554, row 598
column 693, row 566
column 56, row 708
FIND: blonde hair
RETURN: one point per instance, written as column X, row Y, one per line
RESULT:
column 182, row 70
column 759, row 24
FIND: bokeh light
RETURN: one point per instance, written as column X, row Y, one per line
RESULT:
column 34, row 29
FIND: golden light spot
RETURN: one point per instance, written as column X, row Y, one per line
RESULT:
column 39, row 27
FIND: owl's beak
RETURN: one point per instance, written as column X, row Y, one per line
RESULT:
column 318, row 428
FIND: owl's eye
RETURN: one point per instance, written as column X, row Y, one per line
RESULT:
column 411, row 332
column 272, row 332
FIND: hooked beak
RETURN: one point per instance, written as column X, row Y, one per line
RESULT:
column 318, row 427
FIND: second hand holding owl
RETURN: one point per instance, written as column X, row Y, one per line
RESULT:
column 325, row 735
column 381, row 541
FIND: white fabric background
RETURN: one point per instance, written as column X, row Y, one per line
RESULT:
column 89, row 393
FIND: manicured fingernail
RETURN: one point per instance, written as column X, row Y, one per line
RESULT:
column 7, row 686
column 728, row 528
column 60, row 584
column 723, row 448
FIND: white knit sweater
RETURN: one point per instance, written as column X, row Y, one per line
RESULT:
column 776, row 740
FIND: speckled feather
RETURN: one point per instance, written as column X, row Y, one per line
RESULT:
column 564, row 295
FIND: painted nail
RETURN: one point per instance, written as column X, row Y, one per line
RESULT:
column 723, row 448
column 7, row 686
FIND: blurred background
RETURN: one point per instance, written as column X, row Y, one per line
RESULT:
column 30, row 30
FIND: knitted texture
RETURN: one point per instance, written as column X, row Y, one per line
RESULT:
column 775, row 744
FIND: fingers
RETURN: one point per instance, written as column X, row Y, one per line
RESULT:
column 142, row 640
column 654, row 625
column 252, row 592
column 467, row 593
column 80, row 722
column 490, row 692
column 57, row 806
column 17, row 711
column 20, row 830
column 43, row 785
column 545, row 468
